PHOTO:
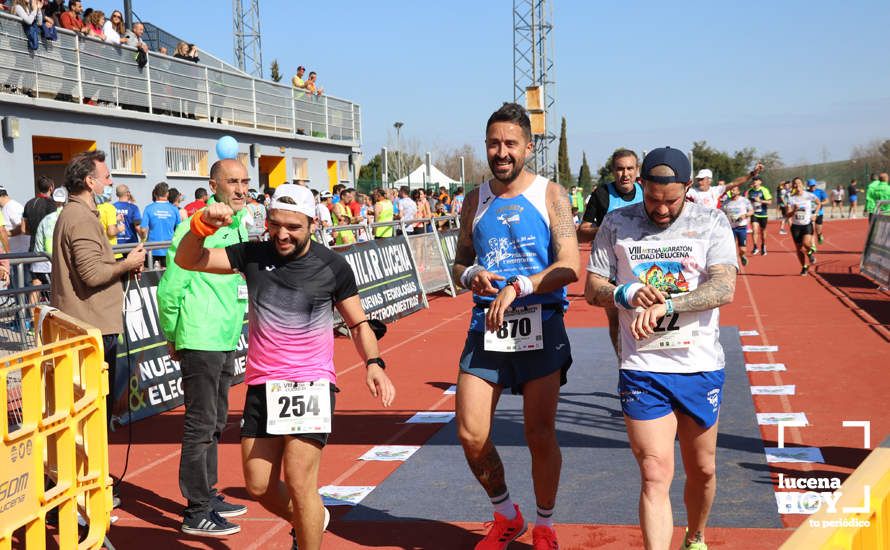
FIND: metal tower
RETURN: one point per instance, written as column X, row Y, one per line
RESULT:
column 534, row 79
column 246, row 29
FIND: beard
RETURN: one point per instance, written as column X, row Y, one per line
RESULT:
column 300, row 246
column 518, row 166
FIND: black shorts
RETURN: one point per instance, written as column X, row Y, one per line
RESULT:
column 798, row 232
column 819, row 219
column 761, row 221
column 253, row 421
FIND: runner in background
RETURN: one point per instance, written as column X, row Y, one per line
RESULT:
column 293, row 286
column 802, row 208
column 760, row 198
column 837, row 202
column 739, row 211
column 705, row 194
column 853, row 197
column 517, row 337
column 823, row 200
column 675, row 266
column 622, row 192
column 784, row 193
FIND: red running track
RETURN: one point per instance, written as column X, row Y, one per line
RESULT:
column 832, row 351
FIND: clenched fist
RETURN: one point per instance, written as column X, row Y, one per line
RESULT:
column 217, row 215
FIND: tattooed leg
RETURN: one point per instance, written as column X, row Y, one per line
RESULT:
column 488, row 469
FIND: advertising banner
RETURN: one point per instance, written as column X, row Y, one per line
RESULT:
column 876, row 256
column 148, row 381
column 387, row 278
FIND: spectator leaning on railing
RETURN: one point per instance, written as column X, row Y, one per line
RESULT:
column 114, row 29
column 72, row 19
column 31, row 13
column 189, row 52
column 134, row 37
column 95, row 22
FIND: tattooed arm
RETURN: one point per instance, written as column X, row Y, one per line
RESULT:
column 465, row 254
column 598, row 291
column 563, row 241
column 718, row 290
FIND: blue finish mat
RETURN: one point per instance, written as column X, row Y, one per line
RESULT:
column 600, row 479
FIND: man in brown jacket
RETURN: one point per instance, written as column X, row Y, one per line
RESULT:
column 86, row 280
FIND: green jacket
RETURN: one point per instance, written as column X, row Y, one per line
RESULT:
column 202, row 311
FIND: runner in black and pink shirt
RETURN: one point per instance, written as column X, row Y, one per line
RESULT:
column 293, row 284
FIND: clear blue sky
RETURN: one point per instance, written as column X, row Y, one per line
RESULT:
column 808, row 79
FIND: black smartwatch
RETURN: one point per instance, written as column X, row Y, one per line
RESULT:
column 514, row 282
column 376, row 360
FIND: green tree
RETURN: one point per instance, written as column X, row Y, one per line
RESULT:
column 724, row 165
column 564, row 172
column 276, row 72
column 584, row 179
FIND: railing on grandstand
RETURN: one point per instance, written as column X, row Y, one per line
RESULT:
column 88, row 71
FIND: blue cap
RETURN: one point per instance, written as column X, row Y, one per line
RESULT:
column 811, row 182
column 674, row 159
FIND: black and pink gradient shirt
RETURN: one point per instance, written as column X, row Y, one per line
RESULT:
column 290, row 314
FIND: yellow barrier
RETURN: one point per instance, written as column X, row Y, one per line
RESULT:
column 867, row 488
column 55, row 454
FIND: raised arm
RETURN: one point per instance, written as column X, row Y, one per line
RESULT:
column 742, row 179
column 192, row 255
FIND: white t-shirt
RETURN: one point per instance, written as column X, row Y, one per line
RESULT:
column 111, row 35
column 407, row 211
column 837, row 194
column 804, row 207
column 735, row 209
column 12, row 212
column 708, row 198
column 629, row 248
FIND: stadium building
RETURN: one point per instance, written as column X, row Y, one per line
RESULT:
column 160, row 121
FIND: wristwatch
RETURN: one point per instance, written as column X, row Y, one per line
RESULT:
column 514, row 282
column 376, row 360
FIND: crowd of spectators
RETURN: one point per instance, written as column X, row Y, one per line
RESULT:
column 124, row 222
column 40, row 17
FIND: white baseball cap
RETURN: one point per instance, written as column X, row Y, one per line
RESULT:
column 302, row 197
column 60, row 195
column 704, row 173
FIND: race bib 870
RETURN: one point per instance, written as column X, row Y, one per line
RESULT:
column 298, row 407
column 520, row 331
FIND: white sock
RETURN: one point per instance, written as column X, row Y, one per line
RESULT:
column 545, row 517
column 504, row 506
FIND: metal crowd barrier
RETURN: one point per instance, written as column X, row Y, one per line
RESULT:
column 86, row 70
column 55, row 452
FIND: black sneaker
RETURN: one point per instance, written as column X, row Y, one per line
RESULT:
column 744, row 260
column 754, row 251
column 226, row 509
column 804, row 270
column 209, row 524
column 763, row 252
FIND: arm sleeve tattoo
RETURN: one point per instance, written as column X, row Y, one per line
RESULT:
column 718, row 290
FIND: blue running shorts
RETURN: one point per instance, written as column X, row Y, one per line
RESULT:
column 741, row 234
column 649, row 395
